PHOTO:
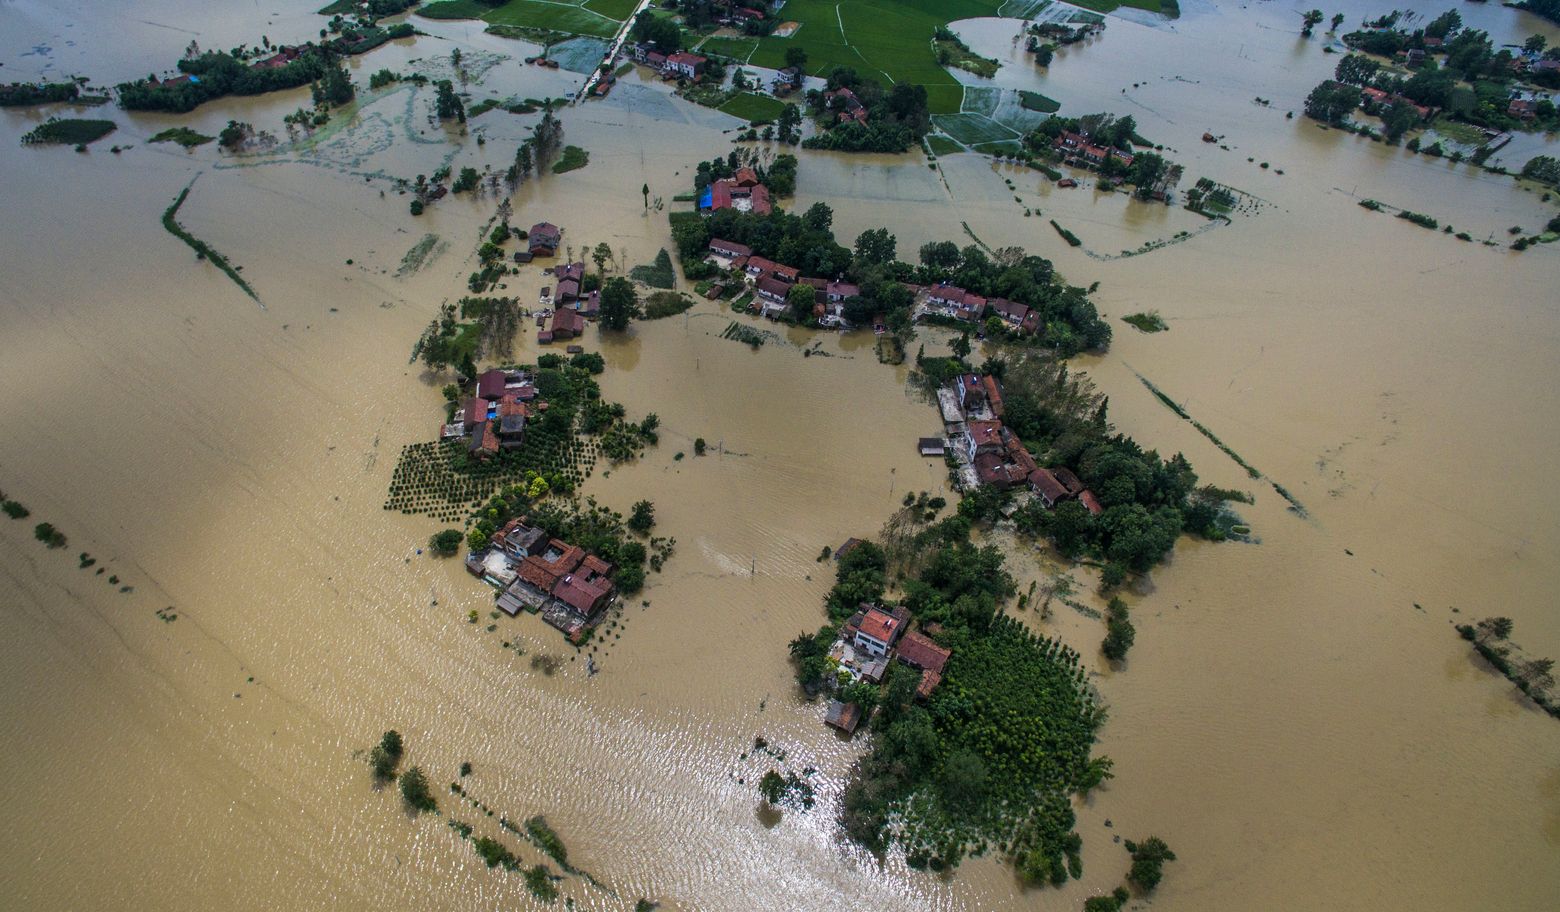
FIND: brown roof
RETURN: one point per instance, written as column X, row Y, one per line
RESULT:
column 993, row 394
column 476, row 411
column 1088, row 499
column 1046, row 485
column 538, row 573
column 731, row 247
column 595, row 566
column 773, row 286
column 745, row 177
column 568, row 321
column 1068, row 479
column 843, row 716
column 985, row 432
column 581, row 595
column 918, row 650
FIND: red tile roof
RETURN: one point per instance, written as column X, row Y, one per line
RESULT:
column 880, row 625
column 730, row 248
column 985, row 433
column 581, row 595
column 490, row 385
column 993, row 394
column 918, row 650
column 745, row 177
column 567, row 321
column 1091, row 502
column 770, row 286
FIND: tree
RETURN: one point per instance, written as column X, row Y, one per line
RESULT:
column 1337, row 20
column 1495, row 628
column 600, row 255
column 447, row 104
column 1535, row 44
column 1148, row 859
column 796, row 57
column 386, row 755
column 1398, row 120
column 642, row 518
column 1310, row 19
column 663, row 33
column 799, row 301
column 874, row 247
column 1536, row 674
column 698, row 446
column 234, row 134
column 334, row 88
column 446, row 543
column 772, row 787
column 964, row 782
column 961, row 345
column 1356, row 69
column 414, row 788
column 619, row 304
column 1332, row 102
column 46, row 533
column 1119, row 631
column 645, row 189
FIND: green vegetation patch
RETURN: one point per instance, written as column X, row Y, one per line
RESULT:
column 184, row 136
column 68, row 131
column 739, row 49
column 529, row 14
column 26, row 94
column 939, row 144
column 754, row 108
column 658, row 274
column 1034, row 101
column 1149, row 321
column 973, row 129
column 573, row 158
column 889, row 41
column 665, row 304
column 1068, row 236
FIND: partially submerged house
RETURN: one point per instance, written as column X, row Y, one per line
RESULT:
column 543, row 239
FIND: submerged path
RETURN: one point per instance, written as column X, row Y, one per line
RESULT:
column 612, row 50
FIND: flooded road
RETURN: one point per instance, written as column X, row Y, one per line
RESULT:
column 1298, row 720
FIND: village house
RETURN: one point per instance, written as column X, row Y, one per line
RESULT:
column 772, row 292
column 543, row 239
column 921, row 653
column 728, row 194
column 1522, row 108
column 1077, row 147
column 757, row 267
column 786, row 81
column 932, row 446
column 877, row 630
column 955, row 302
column 1045, row 487
column 567, row 324
column 846, row 105
column 1007, row 467
column 281, row 58
column 1090, row 503
column 843, row 716
column 589, row 306
column 837, row 292
column 726, row 253
column 684, row 64
column 1016, row 315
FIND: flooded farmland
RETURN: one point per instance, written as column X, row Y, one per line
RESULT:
column 1298, row 719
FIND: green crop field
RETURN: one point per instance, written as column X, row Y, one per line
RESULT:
column 886, row 40
column 973, row 129
column 559, row 17
column 942, row 145
column 612, row 9
column 736, row 48
column 754, row 108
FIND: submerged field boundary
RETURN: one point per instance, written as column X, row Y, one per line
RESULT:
column 1294, row 505
column 202, row 249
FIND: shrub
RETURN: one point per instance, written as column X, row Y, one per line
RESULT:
column 414, row 788
column 446, row 543
column 1148, row 859
column 15, row 510
column 46, row 533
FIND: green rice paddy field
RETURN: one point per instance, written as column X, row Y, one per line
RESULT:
column 886, row 40
column 589, row 17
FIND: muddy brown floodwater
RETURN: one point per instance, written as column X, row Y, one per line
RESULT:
column 1298, row 719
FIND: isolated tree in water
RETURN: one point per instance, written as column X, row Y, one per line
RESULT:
column 619, row 304
column 448, row 104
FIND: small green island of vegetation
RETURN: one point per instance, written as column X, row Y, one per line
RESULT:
column 184, row 136
column 68, row 131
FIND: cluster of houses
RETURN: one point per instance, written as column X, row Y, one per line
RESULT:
column 845, row 105
column 772, row 283
column 742, row 192
column 1375, row 100
column 989, row 453
column 871, row 639
column 493, row 418
column 570, row 587
column 570, row 305
column 967, row 307
column 679, row 65
column 1077, row 149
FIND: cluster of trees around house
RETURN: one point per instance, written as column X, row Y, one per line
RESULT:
column 1062, row 420
column 1549, row 9
column 779, row 174
column 896, row 118
column 218, row 74
column 1070, row 322
column 21, row 94
column 1148, row 172
column 990, row 758
column 1471, row 82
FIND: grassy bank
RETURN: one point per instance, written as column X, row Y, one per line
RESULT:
column 754, row 108
column 184, row 136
